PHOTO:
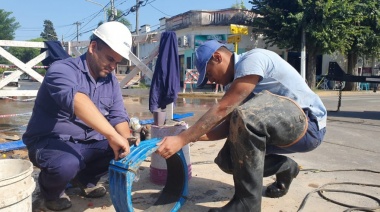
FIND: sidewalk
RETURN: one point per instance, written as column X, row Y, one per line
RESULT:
column 209, row 92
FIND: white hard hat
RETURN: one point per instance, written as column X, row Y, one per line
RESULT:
column 117, row 36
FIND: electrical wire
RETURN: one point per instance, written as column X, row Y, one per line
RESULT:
column 150, row 3
column 92, row 16
column 322, row 190
column 132, row 9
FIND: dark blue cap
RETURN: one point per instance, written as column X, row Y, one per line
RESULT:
column 203, row 54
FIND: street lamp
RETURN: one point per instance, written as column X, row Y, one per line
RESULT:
column 104, row 9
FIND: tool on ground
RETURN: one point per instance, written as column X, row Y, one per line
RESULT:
column 123, row 172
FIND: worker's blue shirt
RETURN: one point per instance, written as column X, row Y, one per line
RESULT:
column 53, row 112
column 279, row 77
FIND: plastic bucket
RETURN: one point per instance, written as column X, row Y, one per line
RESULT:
column 158, row 168
column 16, row 185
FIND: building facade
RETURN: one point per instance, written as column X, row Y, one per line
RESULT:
column 197, row 26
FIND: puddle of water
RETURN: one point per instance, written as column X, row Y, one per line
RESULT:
column 14, row 115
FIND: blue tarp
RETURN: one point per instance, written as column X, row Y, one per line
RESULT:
column 13, row 145
column 166, row 77
column 175, row 117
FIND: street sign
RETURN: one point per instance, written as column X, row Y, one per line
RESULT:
column 238, row 29
column 234, row 39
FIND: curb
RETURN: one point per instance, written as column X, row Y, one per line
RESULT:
column 211, row 94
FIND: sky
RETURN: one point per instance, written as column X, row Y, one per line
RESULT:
column 65, row 14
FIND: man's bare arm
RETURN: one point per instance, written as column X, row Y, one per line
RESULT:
column 240, row 89
column 218, row 132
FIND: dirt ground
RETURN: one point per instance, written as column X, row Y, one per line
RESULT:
column 206, row 181
column 350, row 143
column 208, row 186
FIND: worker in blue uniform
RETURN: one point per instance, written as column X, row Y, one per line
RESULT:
column 79, row 122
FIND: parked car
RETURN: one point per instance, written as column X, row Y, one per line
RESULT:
column 14, row 82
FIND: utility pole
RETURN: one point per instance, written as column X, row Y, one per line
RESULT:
column 137, row 27
column 78, row 24
column 303, row 55
column 112, row 18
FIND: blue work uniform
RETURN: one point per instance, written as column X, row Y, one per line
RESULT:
column 61, row 144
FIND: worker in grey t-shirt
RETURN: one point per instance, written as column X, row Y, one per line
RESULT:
column 267, row 110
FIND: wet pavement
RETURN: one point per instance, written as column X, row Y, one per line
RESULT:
column 350, row 153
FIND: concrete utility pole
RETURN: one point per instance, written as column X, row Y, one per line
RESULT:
column 137, row 26
column 78, row 24
column 303, row 55
column 112, row 18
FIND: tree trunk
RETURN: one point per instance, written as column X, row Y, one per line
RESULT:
column 352, row 58
column 311, row 69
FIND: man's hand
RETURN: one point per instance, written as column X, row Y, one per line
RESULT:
column 170, row 145
column 119, row 145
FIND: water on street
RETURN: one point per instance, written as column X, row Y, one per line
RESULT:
column 15, row 112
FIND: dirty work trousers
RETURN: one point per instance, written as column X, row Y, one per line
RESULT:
column 266, row 119
column 60, row 161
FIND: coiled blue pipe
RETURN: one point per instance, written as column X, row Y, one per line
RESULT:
column 123, row 172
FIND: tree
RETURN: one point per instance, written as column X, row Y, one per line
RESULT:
column 326, row 23
column 49, row 31
column 8, row 25
column 26, row 54
column 239, row 5
column 366, row 42
column 120, row 19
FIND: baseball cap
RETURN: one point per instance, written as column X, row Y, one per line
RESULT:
column 203, row 54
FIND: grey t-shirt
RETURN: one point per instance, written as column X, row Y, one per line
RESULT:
column 279, row 77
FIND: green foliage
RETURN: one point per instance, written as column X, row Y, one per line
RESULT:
column 49, row 31
column 346, row 25
column 120, row 19
column 367, row 40
column 142, row 85
column 327, row 23
column 8, row 25
column 239, row 5
column 25, row 54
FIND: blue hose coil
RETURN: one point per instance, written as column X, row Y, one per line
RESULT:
column 122, row 173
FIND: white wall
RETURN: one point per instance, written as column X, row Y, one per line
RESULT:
column 335, row 57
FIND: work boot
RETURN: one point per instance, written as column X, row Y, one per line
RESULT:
column 59, row 204
column 223, row 160
column 90, row 192
column 236, row 204
column 94, row 192
column 285, row 169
